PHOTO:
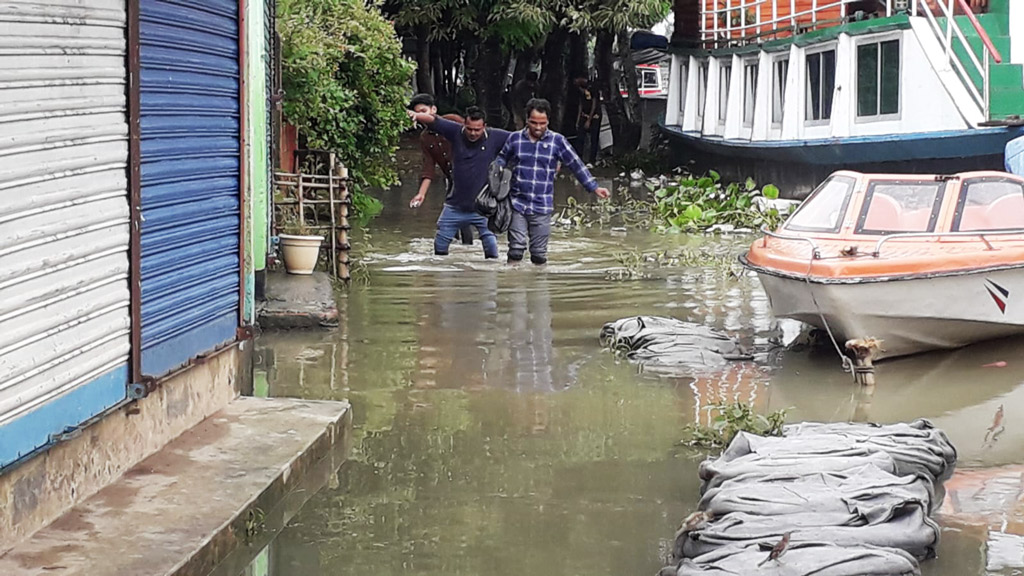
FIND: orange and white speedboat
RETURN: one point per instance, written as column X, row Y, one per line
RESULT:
column 920, row 262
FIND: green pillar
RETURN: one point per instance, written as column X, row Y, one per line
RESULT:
column 258, row 155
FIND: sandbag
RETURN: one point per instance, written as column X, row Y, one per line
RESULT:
column 658, row 341
column 909, row 529
column 918, row 447
column 864, row 495
column 815, row 558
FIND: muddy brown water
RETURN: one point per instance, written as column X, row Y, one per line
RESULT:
column 493, row 436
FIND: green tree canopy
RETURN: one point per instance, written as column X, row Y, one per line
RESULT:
column 346, row 82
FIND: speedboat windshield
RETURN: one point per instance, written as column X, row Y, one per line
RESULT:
column 825, row 209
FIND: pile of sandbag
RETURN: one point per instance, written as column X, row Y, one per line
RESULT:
column 838, row 499
column 654, row 340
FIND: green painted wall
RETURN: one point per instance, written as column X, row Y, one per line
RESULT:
column 259, row 186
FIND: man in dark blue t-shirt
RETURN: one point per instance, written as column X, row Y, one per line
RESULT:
column 474, row 147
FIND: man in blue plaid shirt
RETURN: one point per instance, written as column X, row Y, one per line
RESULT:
column 534, row 154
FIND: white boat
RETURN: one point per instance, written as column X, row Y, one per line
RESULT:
column 921, row 262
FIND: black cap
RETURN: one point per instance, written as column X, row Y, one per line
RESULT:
column 422, row 98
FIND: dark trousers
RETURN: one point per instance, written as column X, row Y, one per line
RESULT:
column 588, row 142
column 531, row 230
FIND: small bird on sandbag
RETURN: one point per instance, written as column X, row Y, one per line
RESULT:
column 778, row 550
column 692, row 523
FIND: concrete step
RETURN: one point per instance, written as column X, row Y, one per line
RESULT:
column 202, row 500
column 298, row 301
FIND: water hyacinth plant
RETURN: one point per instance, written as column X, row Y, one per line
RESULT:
column 697, row 203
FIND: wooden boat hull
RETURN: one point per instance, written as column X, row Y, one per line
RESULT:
column 910, row 315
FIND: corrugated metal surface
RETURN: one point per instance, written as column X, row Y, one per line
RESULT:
column 64, row 298
column 190, row 179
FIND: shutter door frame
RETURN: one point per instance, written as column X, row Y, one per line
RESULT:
column 191, row 179
column 65, row 314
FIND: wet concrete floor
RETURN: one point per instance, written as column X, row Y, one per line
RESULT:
column 492, row 435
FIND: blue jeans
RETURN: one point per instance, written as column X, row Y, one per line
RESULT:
column 451, row 220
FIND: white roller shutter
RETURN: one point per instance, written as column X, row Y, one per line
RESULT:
column 64, row 213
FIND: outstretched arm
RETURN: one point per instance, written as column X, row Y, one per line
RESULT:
column 450, row 130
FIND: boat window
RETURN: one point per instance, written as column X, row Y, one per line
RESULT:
column 702, row 89
column 683, row 71
column 649, row 79
column 779, row 89
column 821, row 83
column 878, row 79
column 825, row 208
column 990, row 204
column 749, row 91
column 724, row 80
column 900, row 206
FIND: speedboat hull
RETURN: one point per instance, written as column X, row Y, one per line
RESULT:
column 909, row 315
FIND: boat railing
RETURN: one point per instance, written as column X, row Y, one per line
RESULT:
column 815, row 251
column 982, row 235
column 952, row 39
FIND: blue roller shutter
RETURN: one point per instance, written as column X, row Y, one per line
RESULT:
column 190, row 179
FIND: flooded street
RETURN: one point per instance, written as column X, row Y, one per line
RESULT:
column 493, row 435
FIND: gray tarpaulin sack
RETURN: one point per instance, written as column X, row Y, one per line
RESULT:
column 802, row 559
column 855, row 499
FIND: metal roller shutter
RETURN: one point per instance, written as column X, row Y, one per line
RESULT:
column 64, row 217
column 190, row 179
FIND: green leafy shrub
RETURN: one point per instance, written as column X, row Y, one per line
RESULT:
column 696, row 203
column 346, row 84
column 731, row 419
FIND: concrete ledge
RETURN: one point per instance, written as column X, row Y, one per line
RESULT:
column 189, row 507
column 38, row 491
column 298, row 301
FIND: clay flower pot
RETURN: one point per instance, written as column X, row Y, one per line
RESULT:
column 300, row 252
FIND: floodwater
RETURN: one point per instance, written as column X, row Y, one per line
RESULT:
column 493, row 436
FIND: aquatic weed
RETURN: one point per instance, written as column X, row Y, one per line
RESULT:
column 729, row 420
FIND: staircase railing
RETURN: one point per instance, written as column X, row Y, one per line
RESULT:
column 950, row 30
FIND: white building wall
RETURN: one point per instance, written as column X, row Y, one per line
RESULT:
column 1017, row 32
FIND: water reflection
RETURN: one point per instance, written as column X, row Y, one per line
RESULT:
column 493, row 436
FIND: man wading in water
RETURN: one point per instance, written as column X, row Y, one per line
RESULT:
column 436, row 153
column 474, row 147
column 534, row 154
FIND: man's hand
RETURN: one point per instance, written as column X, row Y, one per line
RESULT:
column 602, row 193
column 586, row 125
column 417, row 200
column 421, row 118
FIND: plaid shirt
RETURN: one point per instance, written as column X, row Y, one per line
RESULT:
column 536, row 163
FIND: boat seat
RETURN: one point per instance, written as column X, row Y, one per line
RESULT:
column 883, row 214
column 974, row 218
column 915, row 220
column 1006, row 212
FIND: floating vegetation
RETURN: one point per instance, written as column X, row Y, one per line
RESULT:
column 687, row 204
column 637, row 265
column 729, row 420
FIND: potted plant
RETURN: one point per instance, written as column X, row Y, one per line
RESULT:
column 299, row 250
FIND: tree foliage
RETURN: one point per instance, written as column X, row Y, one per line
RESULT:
column 346, row 82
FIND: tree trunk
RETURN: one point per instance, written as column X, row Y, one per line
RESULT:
column 437, row 71
column 577, row 65
column 634, row 107
column 423, row 81
column 524, row 63
column 489, row 78
column 608, row 83
column 552, row 77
